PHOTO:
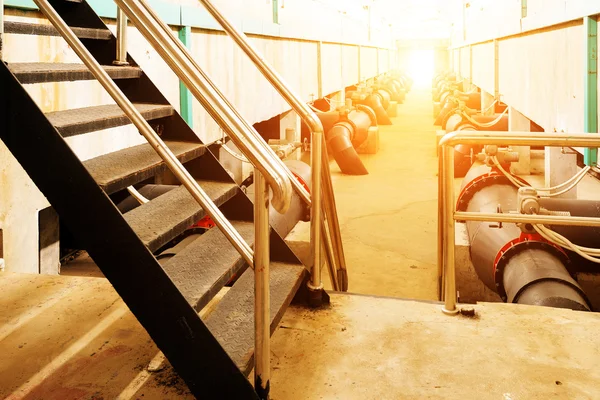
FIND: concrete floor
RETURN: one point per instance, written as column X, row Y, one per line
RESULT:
column 382, row 348
column 389, row 218
column 72, row 337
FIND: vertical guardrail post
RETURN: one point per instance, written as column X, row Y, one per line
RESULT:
column 315, row 285
column 590, row 88
column 440, row 231
column 121, row 58
column 262, row 303
column 448, row 230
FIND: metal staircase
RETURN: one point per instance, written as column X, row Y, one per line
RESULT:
column 212, row 356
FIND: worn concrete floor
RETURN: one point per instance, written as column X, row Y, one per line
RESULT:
column 65, row 338
column 73, row 338
column 389, row 217
column 389, row 349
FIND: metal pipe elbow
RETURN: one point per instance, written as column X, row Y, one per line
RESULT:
column 339, row 142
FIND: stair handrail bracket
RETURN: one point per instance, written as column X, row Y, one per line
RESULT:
column 447, row 214
column 322, row 200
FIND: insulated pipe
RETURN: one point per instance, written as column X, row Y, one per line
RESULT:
column 521, row 268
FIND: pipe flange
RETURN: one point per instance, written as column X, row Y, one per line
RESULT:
column 494, row 177
column 524, row 242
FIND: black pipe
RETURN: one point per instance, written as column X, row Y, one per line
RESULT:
column 339, row 143
column 521, row 269
column 587, row 236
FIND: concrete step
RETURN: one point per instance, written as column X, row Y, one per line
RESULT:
column 115, row 171
column 90, row 119
column 167, row 216
column 24, row 28
column 202, row 268
column 232, row 321
column 28, row 73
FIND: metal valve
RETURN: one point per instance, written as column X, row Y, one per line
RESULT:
column 527, row 198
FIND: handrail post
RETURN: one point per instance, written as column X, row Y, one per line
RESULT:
column 448, row 231
column 440, row 231
column 121, row 57
column 315, row 285
column 262, row 314
column 318, row 169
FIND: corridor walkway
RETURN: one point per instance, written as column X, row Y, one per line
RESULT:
column 388, row 218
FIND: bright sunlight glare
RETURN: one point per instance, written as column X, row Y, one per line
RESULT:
column 421, row 66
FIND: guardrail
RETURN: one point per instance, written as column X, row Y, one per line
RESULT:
column 447, row 214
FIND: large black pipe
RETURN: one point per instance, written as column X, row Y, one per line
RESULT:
column 345, row 130
column 339, row 144
column 520, row 268
column 587, row 236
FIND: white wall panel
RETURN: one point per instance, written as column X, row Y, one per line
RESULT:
column 331, row 64
column 483, row 66
column 541, row 75
column 368, row 62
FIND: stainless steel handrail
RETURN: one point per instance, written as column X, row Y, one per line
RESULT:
column 151, row 136
column 212, row 101
column 248, row 141
column 321, row 176
column 298, row 187
column 447, row 214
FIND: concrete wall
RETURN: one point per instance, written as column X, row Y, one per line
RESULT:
column 292, row 47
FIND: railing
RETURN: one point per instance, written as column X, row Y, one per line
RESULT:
column 321, row 175
column 447, row 214
column 269, row 171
